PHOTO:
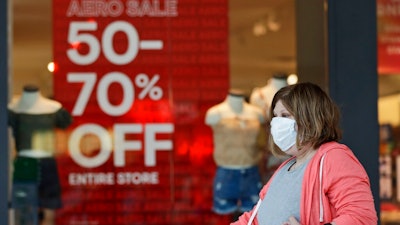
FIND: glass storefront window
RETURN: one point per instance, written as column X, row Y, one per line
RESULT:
column 261, row 39
column 148, row 159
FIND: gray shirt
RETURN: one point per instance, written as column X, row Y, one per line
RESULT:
column 282, row 199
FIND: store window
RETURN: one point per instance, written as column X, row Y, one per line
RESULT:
column 388, row 21
column 261, row 43
column 148, row 159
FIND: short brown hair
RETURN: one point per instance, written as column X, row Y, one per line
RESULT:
column 316, row 115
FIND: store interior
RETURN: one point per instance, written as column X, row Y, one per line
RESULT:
column 262, row 41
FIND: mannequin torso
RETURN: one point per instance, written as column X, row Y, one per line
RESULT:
column 234, row 106
column 262, row 96
column 236, row 125
column 32, row 102
column 33, row 119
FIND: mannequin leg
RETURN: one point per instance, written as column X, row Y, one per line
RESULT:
column 49, row 216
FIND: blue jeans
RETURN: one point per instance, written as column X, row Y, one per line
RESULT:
column 236, row 189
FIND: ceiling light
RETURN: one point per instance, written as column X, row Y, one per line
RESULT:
column 273, row 26
column 50, row 67
column 259, row 29
column 292, row 79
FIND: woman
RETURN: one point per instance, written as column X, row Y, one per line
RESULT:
column 323, row 182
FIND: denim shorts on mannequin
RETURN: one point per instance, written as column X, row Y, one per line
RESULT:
column 236, row 190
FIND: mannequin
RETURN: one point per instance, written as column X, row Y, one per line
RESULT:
column 236, row 126
column 33, row 119
column 262, row 98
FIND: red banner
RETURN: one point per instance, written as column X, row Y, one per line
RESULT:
column 138, row 77
column 388, row 16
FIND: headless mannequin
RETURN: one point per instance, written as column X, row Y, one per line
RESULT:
column 236, row 125
column 32, row 102
column 41, row 143
column 262, row 96
column 233, row 106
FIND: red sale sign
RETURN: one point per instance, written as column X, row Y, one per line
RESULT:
column 388, row 17
column 138, row 77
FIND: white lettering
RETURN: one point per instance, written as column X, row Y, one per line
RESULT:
column 388, row 9
column 393, row 50
column 121, row 145
column 75, row 179
column 151, row 143
column 95, row 8
column 108, row 178
column 152, row 8
column 136, row 178
column 75, row 141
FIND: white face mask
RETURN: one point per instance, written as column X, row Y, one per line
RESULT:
column 283, row 132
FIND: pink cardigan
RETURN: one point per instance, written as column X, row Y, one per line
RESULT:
column 335, row 188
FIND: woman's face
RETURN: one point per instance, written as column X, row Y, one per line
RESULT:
column 281, row 111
